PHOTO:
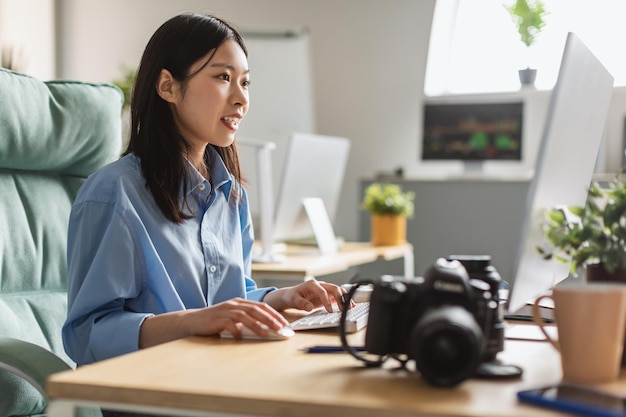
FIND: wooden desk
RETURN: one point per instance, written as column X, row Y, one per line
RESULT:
column 203, row 376
column 302, row 261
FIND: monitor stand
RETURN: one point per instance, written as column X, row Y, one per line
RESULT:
column 321, row 225
column 266, row 254
column 323, row 234
column 473, row 168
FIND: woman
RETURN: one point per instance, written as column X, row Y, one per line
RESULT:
column 160, row 240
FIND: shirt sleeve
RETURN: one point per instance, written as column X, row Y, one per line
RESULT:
column 103, row 271
column 247, row 240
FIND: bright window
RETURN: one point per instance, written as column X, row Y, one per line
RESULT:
column 475, row 47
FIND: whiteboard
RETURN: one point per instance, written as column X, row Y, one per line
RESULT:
column 281, row 99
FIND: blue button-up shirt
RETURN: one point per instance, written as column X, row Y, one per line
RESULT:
column 127, row 261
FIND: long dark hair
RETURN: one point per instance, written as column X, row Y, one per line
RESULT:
column 175, row 46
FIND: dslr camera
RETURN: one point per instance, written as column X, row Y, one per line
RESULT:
column 446, row 321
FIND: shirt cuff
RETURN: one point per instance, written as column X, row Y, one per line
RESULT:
column 259, row 294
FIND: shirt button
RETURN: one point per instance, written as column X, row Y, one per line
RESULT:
column 212, row 268
column 201, row 187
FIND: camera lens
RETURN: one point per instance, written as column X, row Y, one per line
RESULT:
column 446, row 345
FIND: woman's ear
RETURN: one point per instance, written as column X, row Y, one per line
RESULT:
column 166, row 86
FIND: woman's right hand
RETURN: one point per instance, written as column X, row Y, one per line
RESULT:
column 236, row 313
column 229, row 315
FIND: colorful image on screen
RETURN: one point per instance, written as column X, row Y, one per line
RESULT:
column 473, row 132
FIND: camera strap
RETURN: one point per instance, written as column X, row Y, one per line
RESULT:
column 343, row 335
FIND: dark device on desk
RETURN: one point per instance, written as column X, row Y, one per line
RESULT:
column 479, row 267
column 441, row 321
column 576, row 399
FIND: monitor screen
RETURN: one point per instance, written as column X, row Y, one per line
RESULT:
column 314, row 167
column 565, row 163
column 489, row 131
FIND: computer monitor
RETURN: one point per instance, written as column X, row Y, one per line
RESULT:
column 472, row 133
column 314, row 168
column 565, row 163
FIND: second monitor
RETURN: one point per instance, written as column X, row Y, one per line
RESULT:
column 565, row 163
column 314, row 169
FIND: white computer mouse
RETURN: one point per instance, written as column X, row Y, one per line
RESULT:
column 246, row 333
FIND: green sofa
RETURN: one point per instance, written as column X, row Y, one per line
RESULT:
column 52, row 136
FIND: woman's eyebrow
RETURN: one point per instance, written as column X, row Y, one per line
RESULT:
column 228, row 66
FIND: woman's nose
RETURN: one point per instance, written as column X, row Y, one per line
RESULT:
column 240, row 95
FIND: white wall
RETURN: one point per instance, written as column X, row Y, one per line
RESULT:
column 368, row 58
column 28, row 27
column 368, row 65
column 612, row 151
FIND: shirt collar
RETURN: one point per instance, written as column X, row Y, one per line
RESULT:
column 221, row 178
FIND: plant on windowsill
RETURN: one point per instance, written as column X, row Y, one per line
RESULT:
column 389, row 207
column 592, row 237
column 528, row 16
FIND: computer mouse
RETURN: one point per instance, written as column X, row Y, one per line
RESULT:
column 246, row 333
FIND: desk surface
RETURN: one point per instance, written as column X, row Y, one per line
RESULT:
column 278, row 379
column 307, row 260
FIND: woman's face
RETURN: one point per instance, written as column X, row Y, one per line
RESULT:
column 215, row 99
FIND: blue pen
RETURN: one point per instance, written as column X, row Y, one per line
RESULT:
column 330, row 349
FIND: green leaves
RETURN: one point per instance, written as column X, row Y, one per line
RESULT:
column 388, row 199
column 528, row 16
column 126, row 84
column 595, row 233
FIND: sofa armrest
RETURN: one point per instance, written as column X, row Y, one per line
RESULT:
column 30, row 362
column 35, row 364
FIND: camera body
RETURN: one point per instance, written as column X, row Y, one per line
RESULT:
column 442, row 321
column 479, row 267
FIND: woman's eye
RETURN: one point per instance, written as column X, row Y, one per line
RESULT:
column 224, row 77
column 246, row 83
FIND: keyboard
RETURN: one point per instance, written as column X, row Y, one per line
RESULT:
column 322, row 319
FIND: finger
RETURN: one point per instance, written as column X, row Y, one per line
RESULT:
column 319, row 293
column 276, row 315
column 234, row 328
column 337, row 293
column 251, row 314
column 341, row 301
column 261, row 314
column 352, row 303
column 260, row 329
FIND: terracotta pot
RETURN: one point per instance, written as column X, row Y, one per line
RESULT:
column 597, row 273
column 388, row 229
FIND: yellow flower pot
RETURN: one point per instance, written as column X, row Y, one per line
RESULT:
column 388, row 229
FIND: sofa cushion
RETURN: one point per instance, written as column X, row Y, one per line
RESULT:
column 34, row 212
column 67, row 127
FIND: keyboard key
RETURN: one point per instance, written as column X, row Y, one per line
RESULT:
column 321, row 319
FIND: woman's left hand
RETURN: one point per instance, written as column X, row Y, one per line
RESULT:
column 307, row 296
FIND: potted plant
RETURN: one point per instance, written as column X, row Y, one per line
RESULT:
column 126, row 84
column 528, row 17
column 389, row 207
column 591, row 237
